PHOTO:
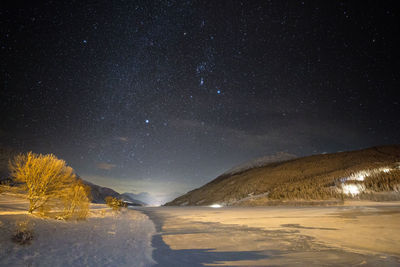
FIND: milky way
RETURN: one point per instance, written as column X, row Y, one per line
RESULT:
column 163, row 96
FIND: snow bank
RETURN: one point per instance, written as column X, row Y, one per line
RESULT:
column 105, row 239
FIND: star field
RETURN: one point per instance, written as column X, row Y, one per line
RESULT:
column 162, row 96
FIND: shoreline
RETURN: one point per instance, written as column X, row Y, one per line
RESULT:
column 105, row 238
column 301, row 204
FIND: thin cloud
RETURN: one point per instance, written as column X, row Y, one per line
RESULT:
column 106, row 166
column 122, row 139
column 283, row 134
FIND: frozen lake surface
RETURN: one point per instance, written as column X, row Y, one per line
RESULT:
column 359, row 233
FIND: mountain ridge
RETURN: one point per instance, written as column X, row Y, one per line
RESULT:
column 315, row 177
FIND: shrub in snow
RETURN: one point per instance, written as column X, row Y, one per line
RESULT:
column 115, row 204
column 50, row 184
column 76, row 201
column 23, row 234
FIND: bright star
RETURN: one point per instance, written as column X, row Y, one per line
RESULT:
column 147, row 121
column 219, row 92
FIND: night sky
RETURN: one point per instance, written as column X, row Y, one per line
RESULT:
column 163, row 96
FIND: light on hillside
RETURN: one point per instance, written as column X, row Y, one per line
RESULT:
column 352, row 189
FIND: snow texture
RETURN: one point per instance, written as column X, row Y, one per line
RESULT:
column 105, row 239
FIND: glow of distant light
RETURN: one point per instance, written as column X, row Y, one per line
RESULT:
column 359, row 176
column 147, row 121
column 219, row 91
column 352, row 189
column 215, row 206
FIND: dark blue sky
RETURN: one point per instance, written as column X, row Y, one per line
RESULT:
column 162, row 96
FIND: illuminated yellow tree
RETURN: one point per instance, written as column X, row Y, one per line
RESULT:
column 76, row 201
column 47, row 178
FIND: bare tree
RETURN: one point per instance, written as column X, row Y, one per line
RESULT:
column 48, row 179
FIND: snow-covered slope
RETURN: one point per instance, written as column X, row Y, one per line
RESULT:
column 105, row 239
column 315, row 177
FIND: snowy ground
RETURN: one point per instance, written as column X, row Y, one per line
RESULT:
column 358, row 233
column 105, row 239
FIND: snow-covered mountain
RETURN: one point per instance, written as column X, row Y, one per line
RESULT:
column 371, row 173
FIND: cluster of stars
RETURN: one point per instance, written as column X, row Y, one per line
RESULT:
column 164, row 88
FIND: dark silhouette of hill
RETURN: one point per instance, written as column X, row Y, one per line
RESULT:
column 313, row 178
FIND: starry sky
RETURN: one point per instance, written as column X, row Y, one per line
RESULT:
column 163, row 96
